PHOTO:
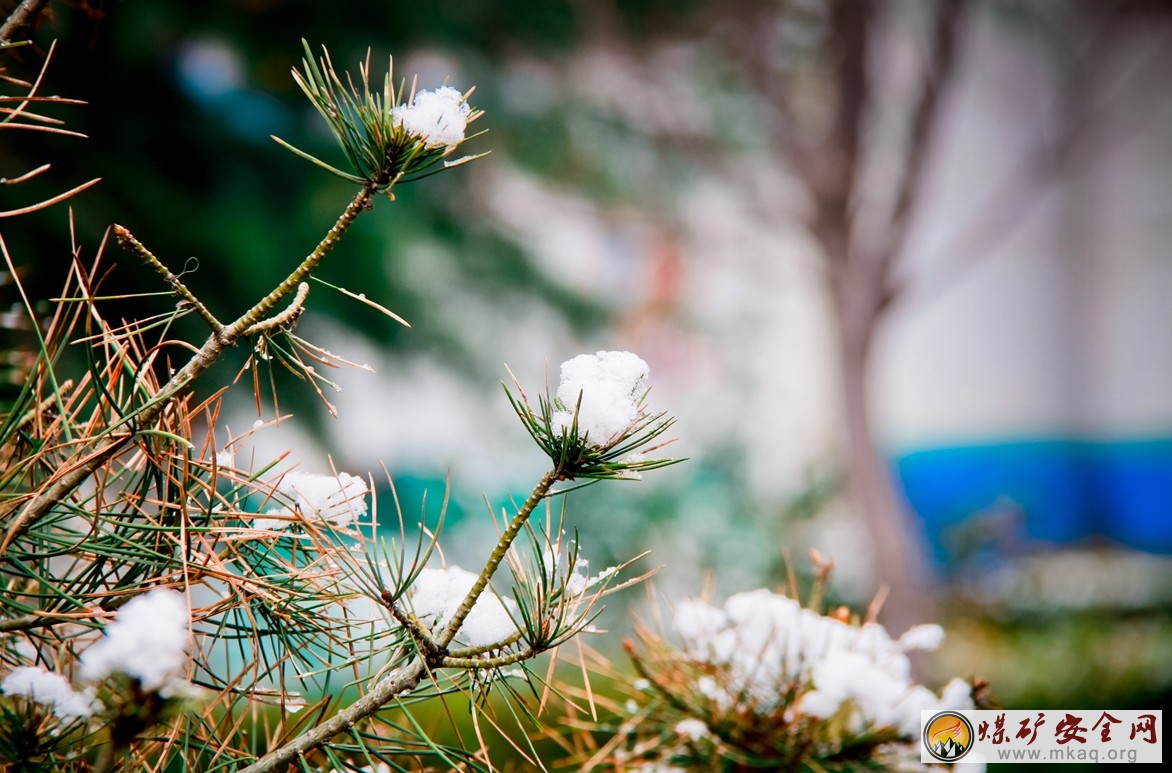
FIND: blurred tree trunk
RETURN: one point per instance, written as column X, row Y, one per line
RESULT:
column 871, row 488
column 861, row 270
column 826, row 94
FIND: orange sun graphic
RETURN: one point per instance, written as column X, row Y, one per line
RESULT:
column 948, row 736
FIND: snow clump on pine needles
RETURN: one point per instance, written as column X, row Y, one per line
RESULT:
column 438, row 117
column 611, row 384
column 760, row 641
column 340, row 499
column 42, row 686
column 436, row 594
column 147, row 641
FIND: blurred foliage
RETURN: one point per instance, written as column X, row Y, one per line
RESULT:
column 182, row 100
column 1090, row 659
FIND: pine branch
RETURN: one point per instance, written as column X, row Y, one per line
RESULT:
column 87, row 463
column 434, row 650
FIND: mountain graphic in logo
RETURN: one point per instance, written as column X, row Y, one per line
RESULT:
column 948, row 750
column 948, row 736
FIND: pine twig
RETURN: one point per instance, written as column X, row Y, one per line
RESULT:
column 451, row 661
column 284, row 318
column 540, row 491
column 412, row 625
column 127, row 240
column 470, row 652
column 22, row 16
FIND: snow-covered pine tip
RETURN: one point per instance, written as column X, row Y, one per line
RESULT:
column 596, row 424
column 385, row 143
column 439, row 118
column 147, row 640
column 611, row 386
column 340, row 499
column 50, row 689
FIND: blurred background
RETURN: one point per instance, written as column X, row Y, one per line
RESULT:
column 900, row 268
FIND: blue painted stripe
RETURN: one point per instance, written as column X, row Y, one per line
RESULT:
column 1059, row 491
